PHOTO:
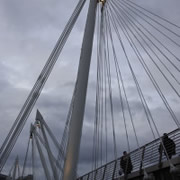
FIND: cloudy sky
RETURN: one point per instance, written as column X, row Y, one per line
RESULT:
column 29, row 31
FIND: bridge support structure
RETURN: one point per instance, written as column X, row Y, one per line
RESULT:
column 75, row 129
column 157, row 173
column 147, row 157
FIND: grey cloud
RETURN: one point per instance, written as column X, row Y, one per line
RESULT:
column 29, row 31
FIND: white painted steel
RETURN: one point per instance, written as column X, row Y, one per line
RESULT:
column 75, row 130
column 43, row 161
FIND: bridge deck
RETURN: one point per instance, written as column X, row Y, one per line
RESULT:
column 147, row 156
column 158, row 173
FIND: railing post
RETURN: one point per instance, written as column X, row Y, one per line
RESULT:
column 104, row 172
column 142, row 159
column 88, row 176
column 95, row 174
column 160, row 157
column 114, row 169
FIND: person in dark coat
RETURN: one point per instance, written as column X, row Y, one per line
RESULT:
column 169, row 145
column 126, row 163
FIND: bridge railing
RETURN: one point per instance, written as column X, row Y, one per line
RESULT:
column 146, row 156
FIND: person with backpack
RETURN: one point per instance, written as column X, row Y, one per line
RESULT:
column 126, row 163
column 169, row 146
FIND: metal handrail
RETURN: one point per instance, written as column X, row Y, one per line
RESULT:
column 144, row 156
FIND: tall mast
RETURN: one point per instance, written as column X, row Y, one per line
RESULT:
column 75, row 130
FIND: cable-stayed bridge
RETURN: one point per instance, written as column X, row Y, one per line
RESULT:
column 133, row 44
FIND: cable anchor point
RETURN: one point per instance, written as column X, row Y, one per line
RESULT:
column 103, row 3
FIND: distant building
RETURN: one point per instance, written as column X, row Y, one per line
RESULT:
column 29, row 177
column 3, row 177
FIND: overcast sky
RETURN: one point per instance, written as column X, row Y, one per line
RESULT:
column 28, row 33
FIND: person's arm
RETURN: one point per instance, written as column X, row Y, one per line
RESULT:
column 160, row 148
column 130, row 163
column 121, row 162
